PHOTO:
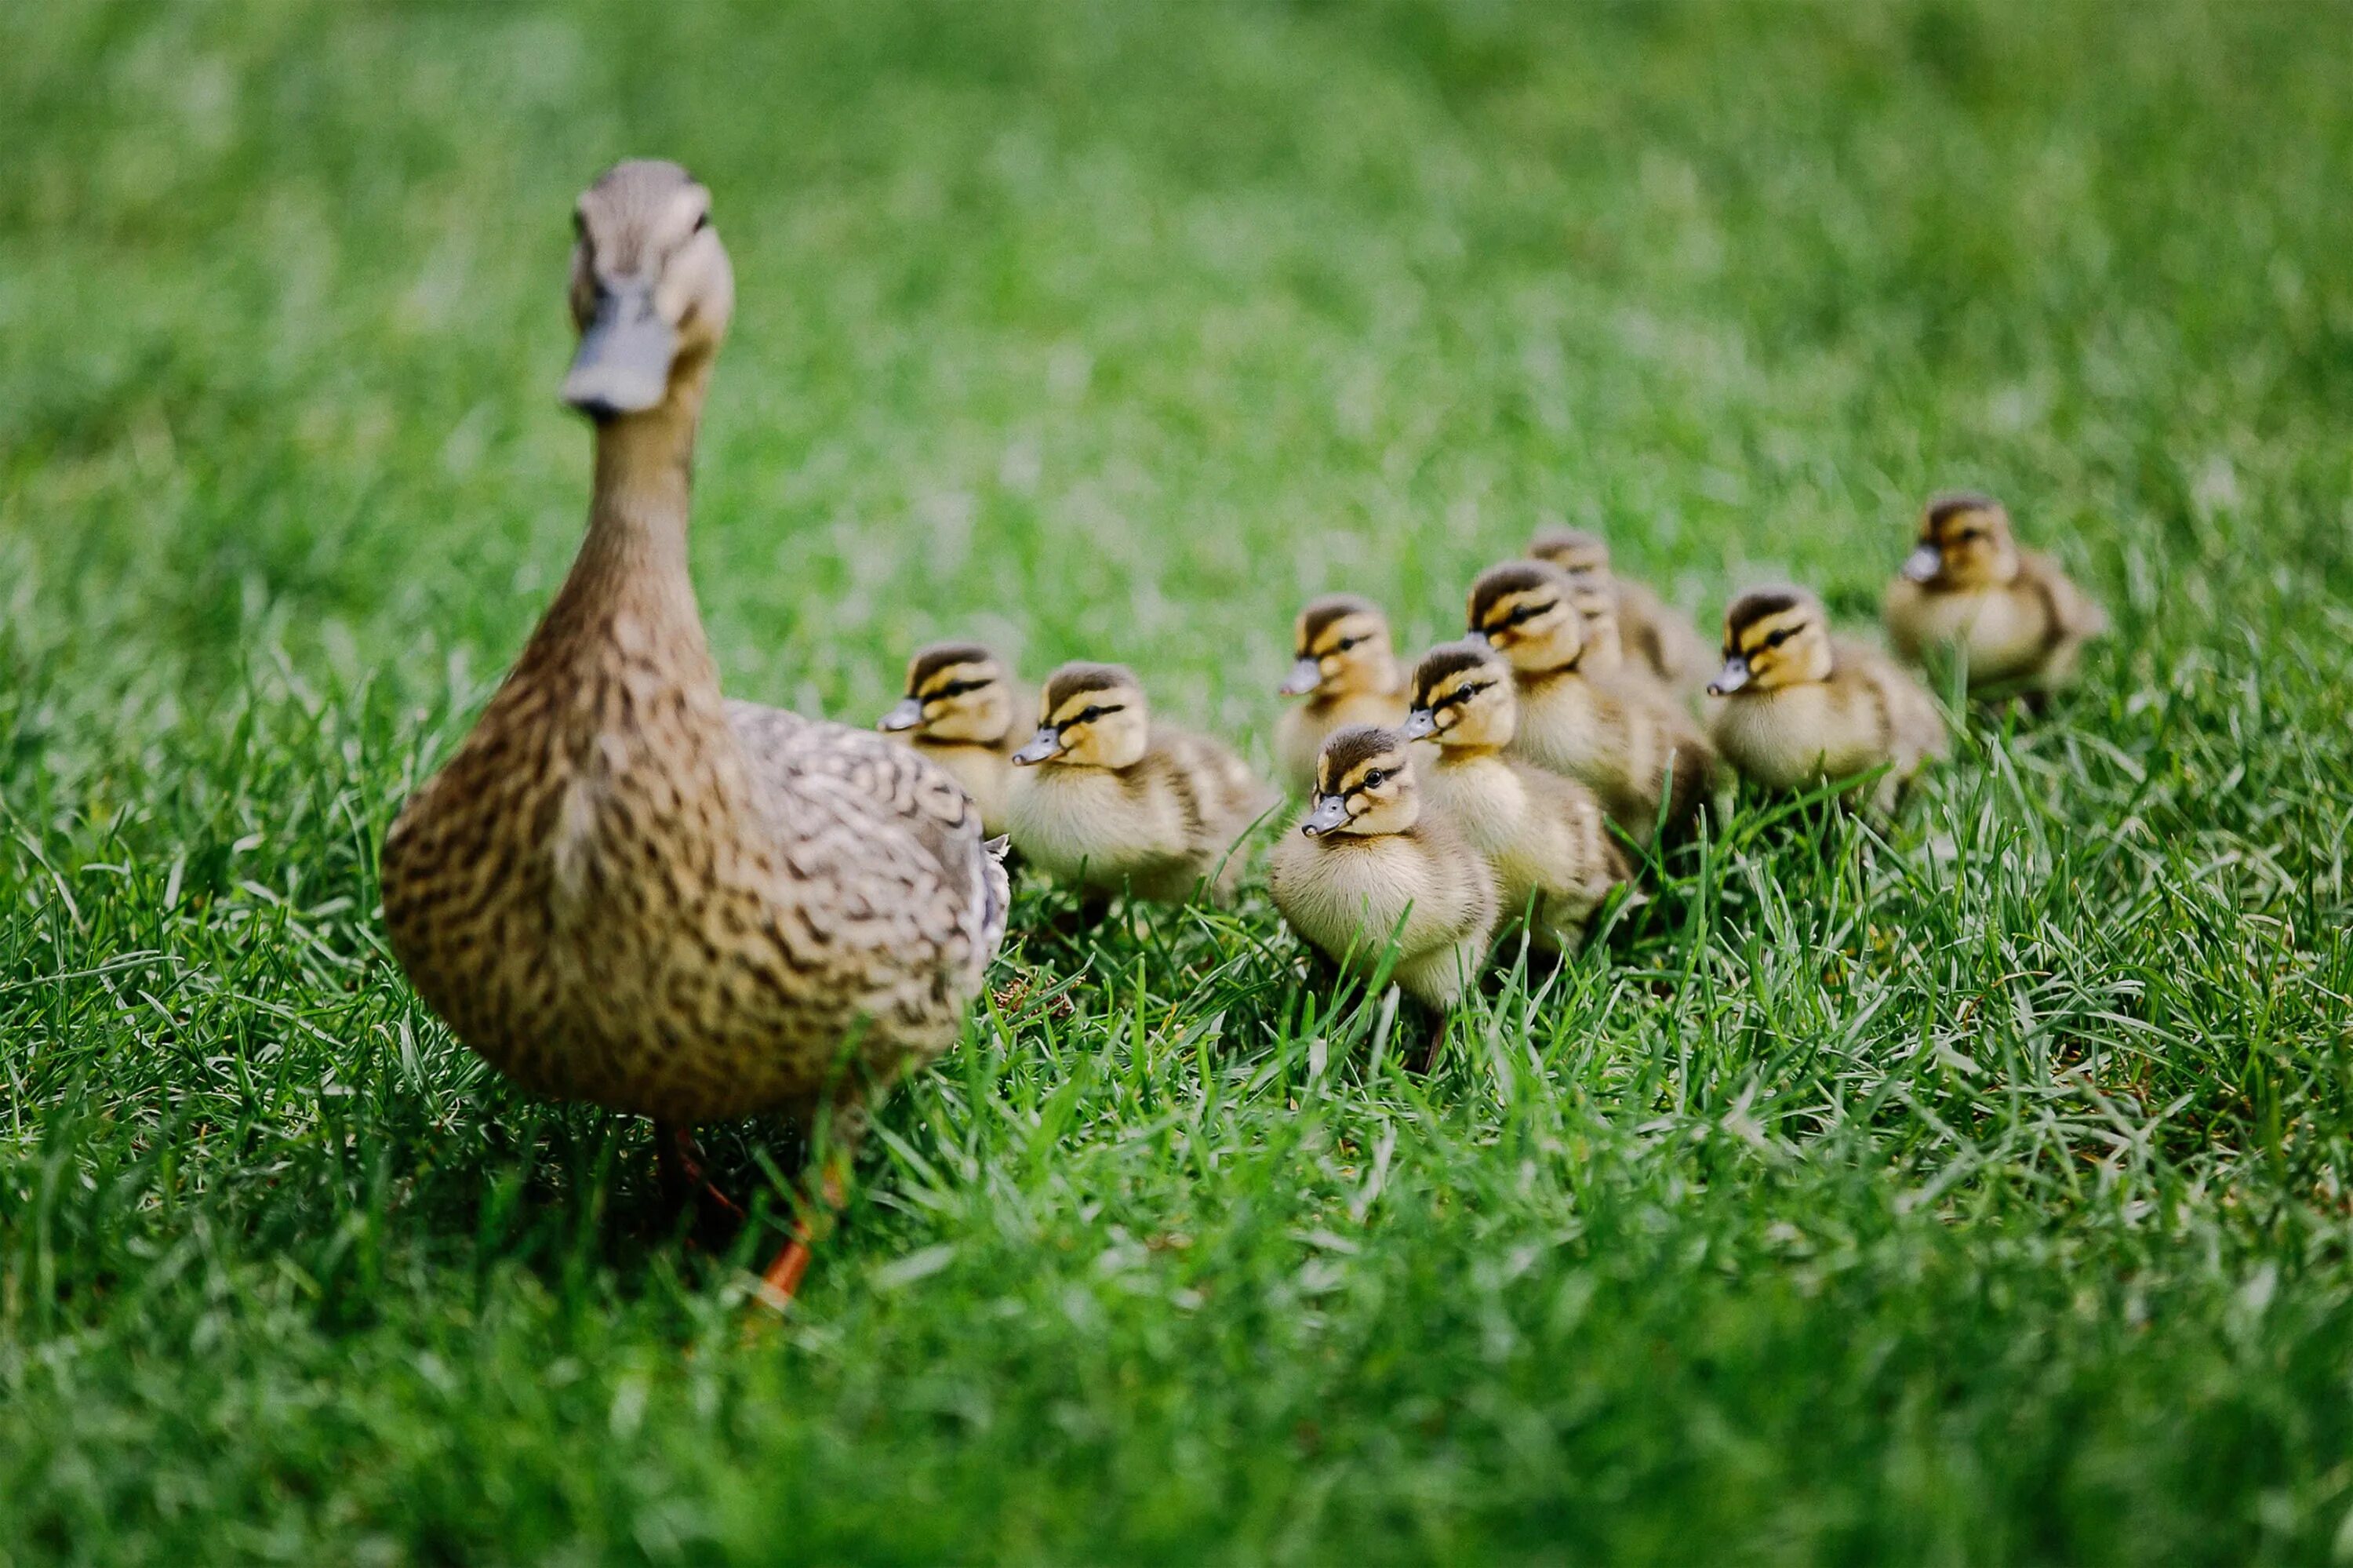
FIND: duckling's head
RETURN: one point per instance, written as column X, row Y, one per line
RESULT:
column 1527, row 611
column 1363, row 784
column 1573, row 550
column 651, row 289
column 1463, row 697
column 1772, row 638
column 1965, row 543
column 956, row 691
column 1091, row 716
column 1342, row 645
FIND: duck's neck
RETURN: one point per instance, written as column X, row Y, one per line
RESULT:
column 628, row 591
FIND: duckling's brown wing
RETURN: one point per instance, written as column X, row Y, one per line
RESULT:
column 2072, row 615
column 1225, row 795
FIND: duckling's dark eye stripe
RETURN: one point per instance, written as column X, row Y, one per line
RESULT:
column 1462, row 694
column 1525, row 612
column 954, row 689
column 1089, row 715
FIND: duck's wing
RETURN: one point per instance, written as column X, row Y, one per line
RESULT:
column 885, row 816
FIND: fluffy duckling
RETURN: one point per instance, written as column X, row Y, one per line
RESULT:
column 1347, row 672
column 1371, row 871
column 959, row 711
column 1103, row 798
column 1966, row 585
column 1802, row 708
column 1545, row 834
column 1621, row 736
column 1657, row 639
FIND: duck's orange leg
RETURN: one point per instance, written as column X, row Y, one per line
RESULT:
column 782, row 1281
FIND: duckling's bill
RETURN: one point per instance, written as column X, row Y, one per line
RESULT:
column 1329, row 815
column 1305, row 676
column 1734, row 677
column 1924, row 565
column 1420, row 725
column 907, row 715
column 1044, row 746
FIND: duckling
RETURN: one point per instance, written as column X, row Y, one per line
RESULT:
column 1621, row 736
column 624, row 888
column 1545, row 834
column 1657, row 640
column 958, row 712
column 1348, row 674
column 1101, row 797
column 1372, row 871
column 2012, row 613
column 1803, row 708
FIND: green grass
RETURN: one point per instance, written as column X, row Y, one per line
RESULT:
column 1975, row 1194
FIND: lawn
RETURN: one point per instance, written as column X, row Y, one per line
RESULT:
column 1972, row 1191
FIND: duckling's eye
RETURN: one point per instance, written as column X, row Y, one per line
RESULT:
column 1375, row 779
column 1089, row 715
column 1778, row 638
column 1345, row 643
column 703, row 221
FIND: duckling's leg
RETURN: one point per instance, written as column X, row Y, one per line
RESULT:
column 1437, row 1045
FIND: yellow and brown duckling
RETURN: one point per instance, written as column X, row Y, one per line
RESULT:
column 1621, row 735
column 1103, row 798
column 1347, row 670
column 961, row 711
column 1545, row 834
column 1967, row 587
column 1802, row 708
column 1657, row 639
column 1372, row 876
column 624, row 888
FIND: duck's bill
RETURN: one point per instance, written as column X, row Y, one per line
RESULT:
column 1734, row 677
column 1420, row 725
column 623, row 363
column 1330, row 814
column 1304, row 677
column 1923, row 564
column 1046, row 743
column 906, row 715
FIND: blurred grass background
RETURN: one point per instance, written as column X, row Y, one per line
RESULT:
column 1978, row 1197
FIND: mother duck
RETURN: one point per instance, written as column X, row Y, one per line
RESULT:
column 624, row 888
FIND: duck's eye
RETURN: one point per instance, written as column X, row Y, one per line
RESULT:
column 1089, row 715
column 703, row 221
column 1778, row 638
column 1375, row 779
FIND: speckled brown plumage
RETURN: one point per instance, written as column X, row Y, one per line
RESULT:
column 625, row 889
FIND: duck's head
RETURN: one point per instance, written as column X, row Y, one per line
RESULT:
column 1463, row 697
column 1526, row 611
column 1773, row 637
column 1091, row 716
column 651, row 289
column 956, row 691
column 1965, row 543
column 1573, row 550
column 1341, row 645
column 1363, row 784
